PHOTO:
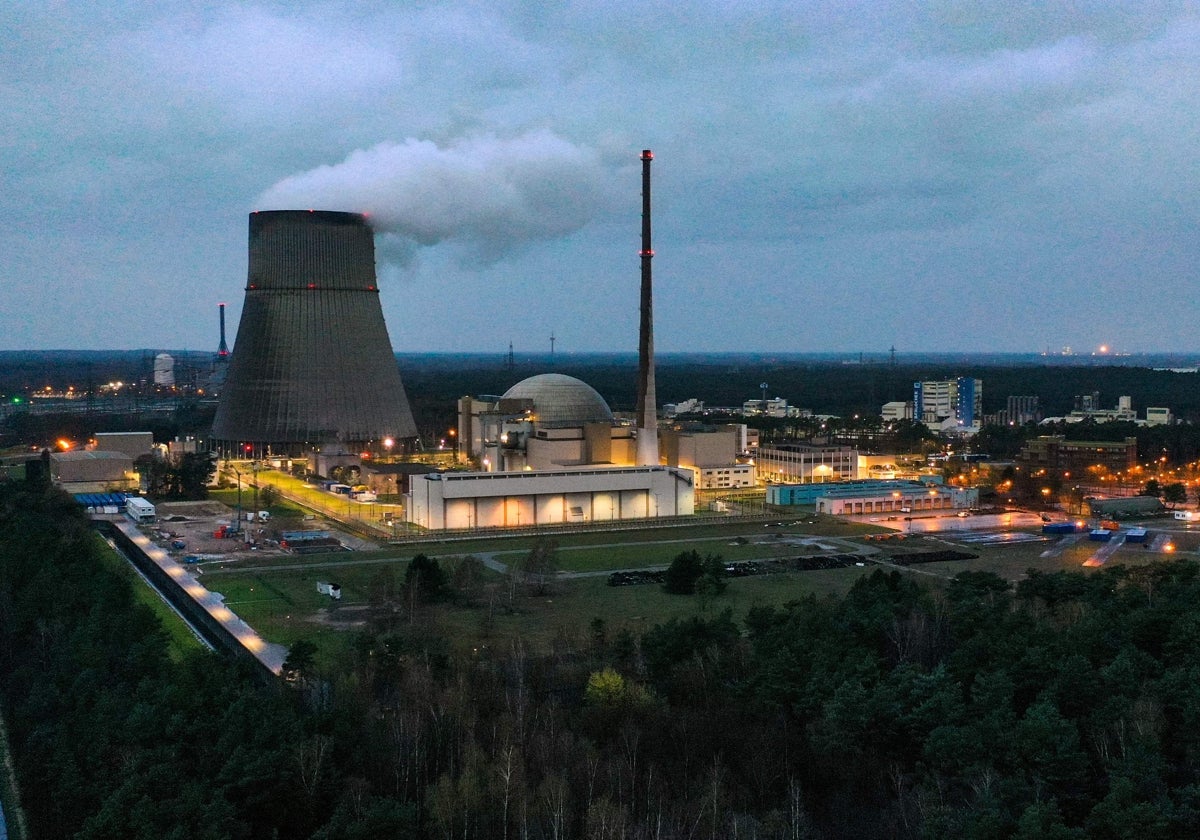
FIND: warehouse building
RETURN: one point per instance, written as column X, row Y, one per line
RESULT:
column 551, row 497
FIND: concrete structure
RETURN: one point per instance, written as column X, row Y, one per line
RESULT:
column 689, row 406
column 392, row 479
column 772, row 407
column 1159, row 416
column 313, row 363
column 92, row 471
column 1018, row 411
column 711, row 453
column 647, row 400
column 961, row 399
column 1087, row 407
column 544, row 422
column 897, row 410
column 164, row 370
column 1055, row 452
column 727, row 477
column 528, row 499
column 133, row 444
column 184, row 446
column 804, row 463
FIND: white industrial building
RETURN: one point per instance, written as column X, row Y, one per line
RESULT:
column 528, row 498
column 564, row 457
column 851, row 500
column 897, row 410
column 90, row 471
column 804, row 463
column 1158, row 416
column 710, row 452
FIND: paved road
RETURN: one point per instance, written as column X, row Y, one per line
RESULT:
column 271, row 655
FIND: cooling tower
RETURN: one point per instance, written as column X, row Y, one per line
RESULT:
column 312, row 363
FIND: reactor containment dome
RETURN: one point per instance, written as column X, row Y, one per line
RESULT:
column 312, row 364
column 561, row 400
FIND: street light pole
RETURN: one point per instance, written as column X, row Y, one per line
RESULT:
column 237, row 473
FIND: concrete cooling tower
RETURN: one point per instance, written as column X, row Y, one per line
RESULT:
column 312, row 364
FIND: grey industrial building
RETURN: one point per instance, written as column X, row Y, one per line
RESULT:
column 312, row 364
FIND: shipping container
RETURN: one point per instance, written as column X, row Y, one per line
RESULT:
column 1135, row 535
column 1059, row 528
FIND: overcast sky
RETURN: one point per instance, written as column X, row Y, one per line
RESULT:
column 828, row 176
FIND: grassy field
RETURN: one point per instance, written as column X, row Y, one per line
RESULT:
column 283, row 605
column 180, row 639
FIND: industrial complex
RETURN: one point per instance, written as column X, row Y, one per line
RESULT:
column 313, row 380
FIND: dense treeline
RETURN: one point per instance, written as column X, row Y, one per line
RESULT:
column 1179, row 444
column 435, row 382
column 1068, row 706
column 113, row 740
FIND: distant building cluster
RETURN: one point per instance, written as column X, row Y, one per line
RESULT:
column 772, row 407
column 1087, row 407
column 758, row 407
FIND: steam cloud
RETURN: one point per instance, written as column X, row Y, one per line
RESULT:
column 489, row 194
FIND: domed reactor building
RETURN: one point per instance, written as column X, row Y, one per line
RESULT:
column 312, row 366
column 544, row 422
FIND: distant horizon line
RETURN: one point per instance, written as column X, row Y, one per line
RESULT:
column 849, row 356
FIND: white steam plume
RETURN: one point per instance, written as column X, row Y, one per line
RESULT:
column 489, row 194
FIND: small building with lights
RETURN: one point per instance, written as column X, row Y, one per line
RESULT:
column 915, row 497
column 857, row 497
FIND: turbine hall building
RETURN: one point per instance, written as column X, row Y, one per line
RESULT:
column 312, row 365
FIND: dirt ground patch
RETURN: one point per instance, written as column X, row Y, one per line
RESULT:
column 340, row 618
column 195, row 523
column 193, row 510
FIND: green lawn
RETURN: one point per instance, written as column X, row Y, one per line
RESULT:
column 283, row 605
column 180, row 639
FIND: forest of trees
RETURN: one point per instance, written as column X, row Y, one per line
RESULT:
column 435, row 382
column 1066, row 707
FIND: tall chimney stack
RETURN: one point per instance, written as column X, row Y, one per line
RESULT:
column 222, row 348
column 647, row 403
